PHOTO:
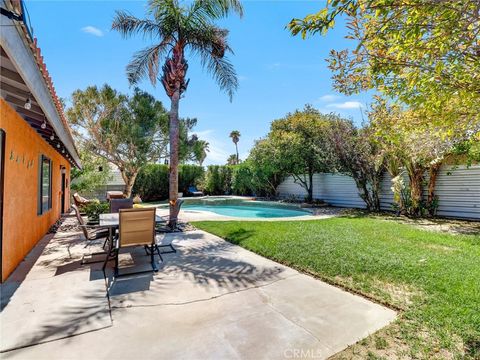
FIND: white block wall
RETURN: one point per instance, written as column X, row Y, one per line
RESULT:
column 458, row 189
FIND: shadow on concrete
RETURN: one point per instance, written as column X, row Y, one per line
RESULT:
column 215, row 263
column 63, row 322
column 10, row 286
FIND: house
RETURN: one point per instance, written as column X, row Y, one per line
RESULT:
column 37, row 149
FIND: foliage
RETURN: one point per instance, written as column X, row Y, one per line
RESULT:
column 233, row 160
column 425, row 53
column 298, row 145
column 190, row 147
column 152, row 180
column 126, row 131
column 180, row 28
column 410, row 141
column 199, row 151
column 190, row 175
column 266, row 174
column 357, row 155
column 243, row 179
column 90, row 177
column 95, row 208
column 431, row 276
column 218, row 180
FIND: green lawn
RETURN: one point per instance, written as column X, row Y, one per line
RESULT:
column 433, row 277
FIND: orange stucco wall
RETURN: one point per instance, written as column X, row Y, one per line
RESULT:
column 22, row 227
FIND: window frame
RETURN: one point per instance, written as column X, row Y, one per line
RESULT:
column 41, row 208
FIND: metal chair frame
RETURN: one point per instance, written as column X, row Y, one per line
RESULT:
column 117, row 245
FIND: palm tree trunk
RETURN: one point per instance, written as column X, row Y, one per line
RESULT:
column 173, row 169
column 236, row 147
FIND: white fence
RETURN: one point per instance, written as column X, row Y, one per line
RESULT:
column 458, row 190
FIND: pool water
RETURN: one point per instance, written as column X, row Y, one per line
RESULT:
column 244, row 209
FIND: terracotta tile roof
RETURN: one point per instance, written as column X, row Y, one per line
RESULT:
column 36, row 51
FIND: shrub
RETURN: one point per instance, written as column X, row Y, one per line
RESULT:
column 189, row 175
column 95, row 208
column 243, row 179
column 218, row 180
column 152, row 181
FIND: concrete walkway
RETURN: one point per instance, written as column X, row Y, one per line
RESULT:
column 210, row 300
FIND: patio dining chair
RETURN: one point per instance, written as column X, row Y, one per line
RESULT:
column 80, row 201
column 117, row 204
column 136, row 228
column 91, row 232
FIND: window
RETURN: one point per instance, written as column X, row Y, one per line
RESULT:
column 45, row 185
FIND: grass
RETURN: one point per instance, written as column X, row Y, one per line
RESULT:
column 433, row 278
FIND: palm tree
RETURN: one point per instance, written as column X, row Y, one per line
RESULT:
column 200, row 151
column 180, row 30
column 235, row 135
column 232, row 160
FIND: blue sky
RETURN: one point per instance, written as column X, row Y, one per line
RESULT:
column 278, row 73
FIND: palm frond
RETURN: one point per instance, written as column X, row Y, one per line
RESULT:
column 128, row 25
column 146, row 63
column 211, row 45
column 216, row 9
column 223, row 72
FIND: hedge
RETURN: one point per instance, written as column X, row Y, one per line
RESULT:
column 152, row 181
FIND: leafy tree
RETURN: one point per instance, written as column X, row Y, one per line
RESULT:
column 95, row 172
column 358, row 156
column 423, row 53
column 125, row 131
column 178, row 29
column 299, row 146
column 235, row 136
column 412, row 144
column 266, row 171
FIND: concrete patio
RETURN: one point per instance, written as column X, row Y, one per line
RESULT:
column 210, row 300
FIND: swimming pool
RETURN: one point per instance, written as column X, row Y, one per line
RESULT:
column 243, row 208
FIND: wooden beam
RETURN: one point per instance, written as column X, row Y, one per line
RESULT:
column 34, row 109
column 31, row 114
column 12, row 75
column 16, row 91
column 3, row 53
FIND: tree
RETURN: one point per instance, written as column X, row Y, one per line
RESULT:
column 125, row 131
column 358, row 156
column 233, row 159
column 235, row 136
column 95, row 172
column 422, row 53
column 299, row 146
column 266, row 171
column 200, row 150
column 180, row 28
column 411, row 144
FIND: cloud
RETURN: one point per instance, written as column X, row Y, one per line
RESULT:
column 328, row 98
column 242, row 78
column 346, row 105
column 274, row 66
column 92, row 30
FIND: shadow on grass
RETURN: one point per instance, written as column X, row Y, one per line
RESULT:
column 238, row 236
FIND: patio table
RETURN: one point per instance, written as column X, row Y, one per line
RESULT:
column 112, row 221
